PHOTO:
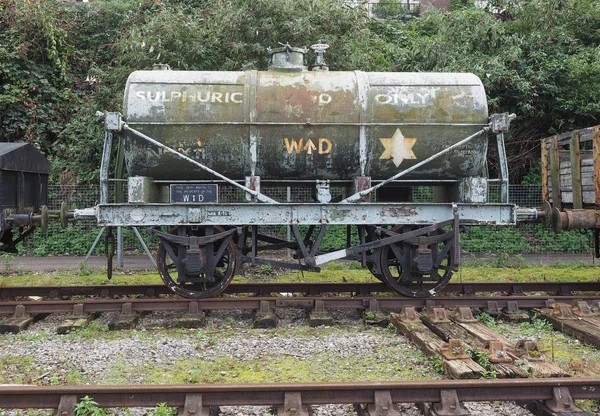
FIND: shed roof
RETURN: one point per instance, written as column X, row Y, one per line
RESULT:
column 23, row 157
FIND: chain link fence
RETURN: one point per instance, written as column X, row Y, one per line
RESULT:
column 78, row 238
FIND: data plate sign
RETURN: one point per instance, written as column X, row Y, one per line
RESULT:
column 194, row 193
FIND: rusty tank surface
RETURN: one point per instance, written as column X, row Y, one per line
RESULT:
column 289, row 123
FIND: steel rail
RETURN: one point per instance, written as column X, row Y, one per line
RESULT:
column 265, row 289
column 14, row 397
column 254, row 303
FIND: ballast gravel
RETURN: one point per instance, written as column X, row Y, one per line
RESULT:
column 56, row 358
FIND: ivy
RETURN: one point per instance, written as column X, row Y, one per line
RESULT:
column 61, row 61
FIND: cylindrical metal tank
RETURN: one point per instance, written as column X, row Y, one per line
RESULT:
column 305, row 125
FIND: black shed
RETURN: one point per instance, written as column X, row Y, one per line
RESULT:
column 23, row 178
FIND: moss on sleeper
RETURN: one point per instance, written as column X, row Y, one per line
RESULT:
column 573, row 356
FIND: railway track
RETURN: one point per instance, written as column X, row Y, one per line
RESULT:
column 265, row 289
column 430, row 329
column 433, row 324
column 565, row 312
column 491, row 304
column 545, row 396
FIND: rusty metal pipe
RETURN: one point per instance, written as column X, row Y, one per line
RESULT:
column 575, row 219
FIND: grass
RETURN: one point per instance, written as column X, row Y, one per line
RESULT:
column 322, row 366
column 72, row 277
column 558, row 272
column 513, row 269
column 331, row 359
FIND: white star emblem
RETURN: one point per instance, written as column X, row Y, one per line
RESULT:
column 398, row 148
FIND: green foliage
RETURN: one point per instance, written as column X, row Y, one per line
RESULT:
column 533, row 239
column 494, row 239
column 481, row 358
column 266, row 269
column 51, row 53
column 163, row 410
column 532, row 60
column 62, row 61
column 462, row 4
column 487, row 319
column 438, row 364
column 7, row 263
column 369, row 315
column 534, row 176
column 77, row 240
column 88, row 407
column 536, row 324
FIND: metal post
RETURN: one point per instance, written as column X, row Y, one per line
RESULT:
column 289, row 230
column 94, row 245
column 105, row 166
column 503, row 168
column 145, row 247
column 119, row 247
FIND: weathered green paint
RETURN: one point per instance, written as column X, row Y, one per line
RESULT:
column 237, row 123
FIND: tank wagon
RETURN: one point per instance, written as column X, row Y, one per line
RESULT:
column 357, row 139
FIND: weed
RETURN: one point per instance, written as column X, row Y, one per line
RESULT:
column 88, row 407
column 487, row 319
column 536, row 324
column 89, row 332
column 194, row 377
column 75, row 377
column 163, row 410
column 489, row 374
column 84, row 269
column 481, row 358
column 438, row 364
column 7, row 263
column 266, row 269
column 369, row 315
column 524, row 364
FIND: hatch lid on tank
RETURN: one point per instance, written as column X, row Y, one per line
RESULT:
column 287, row 58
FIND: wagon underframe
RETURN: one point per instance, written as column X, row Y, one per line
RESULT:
column 135, row 215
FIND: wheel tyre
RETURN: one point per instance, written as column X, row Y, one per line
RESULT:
column 194, row 290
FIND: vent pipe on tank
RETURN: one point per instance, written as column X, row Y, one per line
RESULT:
column 287, row 58
column 320, row 49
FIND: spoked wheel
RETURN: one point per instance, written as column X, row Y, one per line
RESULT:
column 200, row 271
column 418, row 268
